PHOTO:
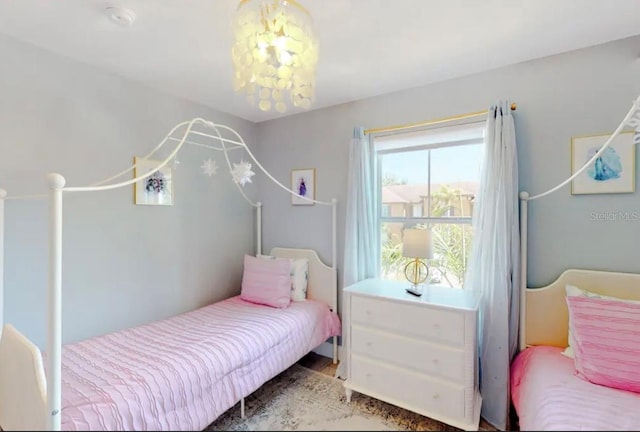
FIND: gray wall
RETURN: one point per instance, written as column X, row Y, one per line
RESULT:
column 582, row 92
column 123, row 264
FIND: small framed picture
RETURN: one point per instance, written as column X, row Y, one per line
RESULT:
column 612, row 172
column 157, row 189
column 303, row 182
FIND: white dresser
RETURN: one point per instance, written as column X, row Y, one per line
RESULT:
column 418, row 353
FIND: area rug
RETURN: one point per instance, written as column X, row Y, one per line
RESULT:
column 301, row 399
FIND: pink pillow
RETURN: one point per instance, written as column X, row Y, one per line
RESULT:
column 607, row 337
column 266, row 282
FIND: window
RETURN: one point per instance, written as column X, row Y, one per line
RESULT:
column 386, row 210
column 451, row 211
column 429, row 179
column 416, row 210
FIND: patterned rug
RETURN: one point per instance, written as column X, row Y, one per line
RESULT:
column 303, row 399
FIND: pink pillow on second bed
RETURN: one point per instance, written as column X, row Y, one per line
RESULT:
column 607, row 341
column 266, row 282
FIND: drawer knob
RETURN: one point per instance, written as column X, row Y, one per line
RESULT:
column 435, row 361
column 436, row 396
column 368, row 375
column 367, row 312
column 436, row 326
column 369, row 344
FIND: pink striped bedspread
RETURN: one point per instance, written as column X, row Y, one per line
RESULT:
column 547, row 395
column 183, row 372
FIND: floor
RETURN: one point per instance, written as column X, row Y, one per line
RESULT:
column 319, row 363
column 325, row 365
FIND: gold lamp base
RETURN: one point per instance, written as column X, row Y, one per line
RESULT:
column 416, row 272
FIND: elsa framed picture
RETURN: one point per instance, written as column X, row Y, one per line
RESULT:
column 612, row 172
column 156, row 189
column 303, row 182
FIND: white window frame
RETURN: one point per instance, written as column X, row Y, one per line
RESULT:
column 429, row 144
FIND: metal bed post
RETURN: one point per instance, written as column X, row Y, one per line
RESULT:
column 524, row 196
column 258, row 228
column 54, row 335
column 334, row 260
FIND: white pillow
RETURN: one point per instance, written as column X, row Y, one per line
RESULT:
column 299, row 279
column 299, row 276
column 574, row 291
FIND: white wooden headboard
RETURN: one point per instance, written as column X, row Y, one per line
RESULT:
column 547, row 316
column 23, row 394
column 323, row 280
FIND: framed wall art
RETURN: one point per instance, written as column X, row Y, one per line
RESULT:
column 612, row 172
column 303, row 182
column 157, row 189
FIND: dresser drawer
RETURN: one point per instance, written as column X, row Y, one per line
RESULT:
column 422, row 321
column 439, row 360
column 414, row 391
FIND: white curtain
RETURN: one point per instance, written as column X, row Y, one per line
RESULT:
column 362, row 232
column 495, row 262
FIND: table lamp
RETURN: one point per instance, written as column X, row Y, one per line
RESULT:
column 416, row 244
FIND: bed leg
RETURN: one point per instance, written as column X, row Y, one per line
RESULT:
column 335, row 350
column 348, row 392
column 242, row 408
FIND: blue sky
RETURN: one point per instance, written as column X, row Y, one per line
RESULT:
column 460, row 163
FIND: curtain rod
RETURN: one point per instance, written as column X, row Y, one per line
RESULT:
column 432, row 122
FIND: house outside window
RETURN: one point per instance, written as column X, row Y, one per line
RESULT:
column 451, row 210
column 429, row 179
column 385, row 211
column 416, row 210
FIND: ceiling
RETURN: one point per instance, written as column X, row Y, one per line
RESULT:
column 367, row 47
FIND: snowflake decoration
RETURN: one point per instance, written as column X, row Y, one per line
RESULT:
column 209, row 167
column 242, row 173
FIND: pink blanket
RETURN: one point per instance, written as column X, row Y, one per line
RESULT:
column 183, row 372
column 547, row 395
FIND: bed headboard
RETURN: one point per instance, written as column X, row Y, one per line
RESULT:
column 323, row 280
column 547, row 316
column 23, row 392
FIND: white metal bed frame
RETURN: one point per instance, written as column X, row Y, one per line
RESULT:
column 542, row 298
column 28, row 359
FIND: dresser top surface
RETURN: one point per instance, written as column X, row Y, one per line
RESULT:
column 432, row 295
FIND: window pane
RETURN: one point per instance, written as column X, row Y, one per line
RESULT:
column 451, row 250
column 392, row 261
column 404, row 178
column 386, row 210
column 417, row 210
column 455, row 175
column 429, row 178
